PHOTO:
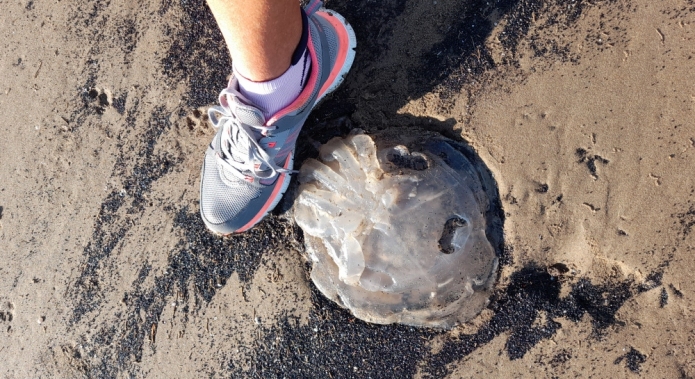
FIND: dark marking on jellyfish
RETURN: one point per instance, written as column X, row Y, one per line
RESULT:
column 493, row 213
column 1, row 210
column 448, row 232
column 542, row 188
column 633, row 360
column 405, row 160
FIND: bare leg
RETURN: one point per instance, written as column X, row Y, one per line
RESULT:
column 261, row 34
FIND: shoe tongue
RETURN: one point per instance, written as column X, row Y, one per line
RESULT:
column 252, row 116
column 248, row 114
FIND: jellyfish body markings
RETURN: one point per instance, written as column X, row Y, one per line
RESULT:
column 397, row 235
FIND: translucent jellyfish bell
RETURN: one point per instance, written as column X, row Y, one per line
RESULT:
column 398, row 234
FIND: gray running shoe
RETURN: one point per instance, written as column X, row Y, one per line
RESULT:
column 247, row 166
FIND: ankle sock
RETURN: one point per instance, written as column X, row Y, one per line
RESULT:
column 274, row 95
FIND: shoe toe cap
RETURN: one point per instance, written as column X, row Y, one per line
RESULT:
column 223, row 204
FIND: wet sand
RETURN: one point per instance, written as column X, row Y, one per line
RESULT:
column 583, row 111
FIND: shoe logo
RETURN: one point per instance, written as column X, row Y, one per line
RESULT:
column 271, row 144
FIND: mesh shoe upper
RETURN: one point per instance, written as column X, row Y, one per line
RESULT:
column 217, row 204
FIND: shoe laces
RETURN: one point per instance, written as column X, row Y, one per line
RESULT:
column 237, row 149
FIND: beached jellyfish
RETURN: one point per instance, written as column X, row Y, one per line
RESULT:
column 397, row 235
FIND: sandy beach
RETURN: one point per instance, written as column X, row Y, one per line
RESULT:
column 583, row 111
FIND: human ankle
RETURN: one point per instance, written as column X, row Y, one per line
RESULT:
column 273, row 95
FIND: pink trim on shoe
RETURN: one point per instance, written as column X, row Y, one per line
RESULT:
column 343, row 45
column 308, row 89
column 312, row 7
column 261, row 213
